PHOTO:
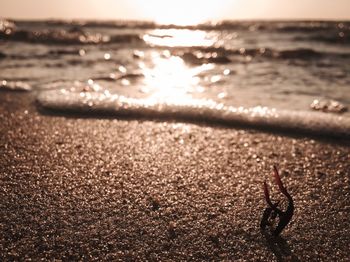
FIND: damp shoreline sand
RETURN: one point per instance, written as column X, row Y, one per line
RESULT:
column 80, row 188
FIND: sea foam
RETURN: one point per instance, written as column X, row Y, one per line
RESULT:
column 102, row 103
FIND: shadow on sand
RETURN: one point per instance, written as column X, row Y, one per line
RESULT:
column 279, row 247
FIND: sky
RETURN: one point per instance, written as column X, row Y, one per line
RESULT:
column 176, row 11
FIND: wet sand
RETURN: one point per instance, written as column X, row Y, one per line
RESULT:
column 80, row 188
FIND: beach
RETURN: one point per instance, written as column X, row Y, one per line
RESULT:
column 88, row 188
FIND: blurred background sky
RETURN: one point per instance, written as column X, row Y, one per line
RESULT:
column 176, row 11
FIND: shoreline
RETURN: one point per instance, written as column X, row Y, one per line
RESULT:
column 83, row 188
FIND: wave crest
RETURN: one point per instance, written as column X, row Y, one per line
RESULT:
column 101, row 102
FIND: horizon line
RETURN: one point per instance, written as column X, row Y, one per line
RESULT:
column 154, row 22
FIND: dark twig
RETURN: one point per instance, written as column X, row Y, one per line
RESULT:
column 273, row 211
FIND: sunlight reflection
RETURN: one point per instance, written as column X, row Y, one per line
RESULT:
column 170, row 79
column 178, row 37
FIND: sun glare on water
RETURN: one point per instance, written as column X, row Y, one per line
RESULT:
column 170, row 79
column 178, row 37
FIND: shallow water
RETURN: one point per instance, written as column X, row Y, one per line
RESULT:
column 281, row 66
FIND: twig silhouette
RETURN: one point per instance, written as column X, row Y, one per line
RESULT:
column 273, row 211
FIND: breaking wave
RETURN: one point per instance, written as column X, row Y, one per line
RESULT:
column 102, row 103
column 65, row 37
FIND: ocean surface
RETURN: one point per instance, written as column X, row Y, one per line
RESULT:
column 279, row 75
